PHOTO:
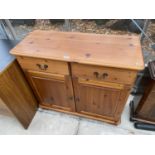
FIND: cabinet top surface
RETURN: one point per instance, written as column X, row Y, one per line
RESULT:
column 121, row 51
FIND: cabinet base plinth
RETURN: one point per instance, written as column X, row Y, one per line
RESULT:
column 82, row 115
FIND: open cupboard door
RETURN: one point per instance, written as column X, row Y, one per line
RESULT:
column 17, row 95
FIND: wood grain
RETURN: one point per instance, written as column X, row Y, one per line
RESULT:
column 55, row 67
column 146, row 108
column 104, row 50
column 53, row 90
column 100, row 83
column 88, row 75
column 17, row 95
column 99, row 100
column 115, row 75
column 103, row 118
column 95, row 100
column 4, row 110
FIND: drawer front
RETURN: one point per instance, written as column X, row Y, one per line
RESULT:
column 104, row 73
column 44, row 65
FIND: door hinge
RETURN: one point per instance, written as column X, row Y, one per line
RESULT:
column 70, row 98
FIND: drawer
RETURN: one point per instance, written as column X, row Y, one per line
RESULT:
column 104, row 73
column 43, row 65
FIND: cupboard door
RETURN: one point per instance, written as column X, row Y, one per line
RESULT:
column 53, row 90
column 100, row 99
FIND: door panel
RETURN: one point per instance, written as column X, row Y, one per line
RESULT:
column 53, row 90
column 96, row 100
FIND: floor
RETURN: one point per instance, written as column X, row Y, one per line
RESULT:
column 48, row 122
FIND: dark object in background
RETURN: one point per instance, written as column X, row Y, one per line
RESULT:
column 98, row 21
column 144, row 126
column 153, row 47
column 141, row 82
column 142, row 108
column 128, row 25
column 54, row 21
column 139, row 123
column 17, row 22
column 28, row 22
column 133, row 28
column 152, row 69
column 101, row 21
column 121, row 24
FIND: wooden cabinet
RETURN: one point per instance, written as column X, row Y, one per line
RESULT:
column 82, row 74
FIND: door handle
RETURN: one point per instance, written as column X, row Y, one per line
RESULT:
column 96, row 74
column 42, row 66
column 104, row 75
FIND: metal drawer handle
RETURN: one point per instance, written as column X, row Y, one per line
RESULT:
column 104, row 75
column 96, row 74
column 42, row 66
